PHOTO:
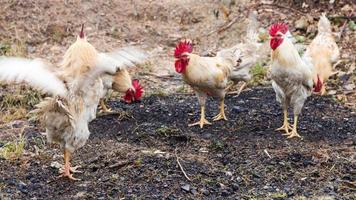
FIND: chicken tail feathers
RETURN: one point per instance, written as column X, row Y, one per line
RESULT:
column 324, row 25
column 252, row 28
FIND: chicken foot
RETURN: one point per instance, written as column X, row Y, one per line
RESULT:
column 202, row 119
column 104, row 108
column 66, row 171
column 243, row 86
column 285, row 127
column 221, row 115
column 294, row 132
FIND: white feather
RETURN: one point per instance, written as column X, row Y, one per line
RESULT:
column 33, row 72
column 119, row 59
column 110, row 63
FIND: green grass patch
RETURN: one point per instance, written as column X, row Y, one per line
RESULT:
column 259, row 73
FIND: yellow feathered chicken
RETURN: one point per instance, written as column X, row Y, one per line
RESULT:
column 75, row 87
column 210, row 76
column 322, row 53
column 121, row 82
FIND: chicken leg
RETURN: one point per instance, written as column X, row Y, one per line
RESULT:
column 221, row 115
column 294, row 132
column 202, row 119
column 66, row 171
column 104, row 108
column 243, row 86
column 285, row 127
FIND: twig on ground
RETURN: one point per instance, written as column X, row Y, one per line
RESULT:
column 167, row 76
column 266, row 152
column 180, row 166
column 342, row 17
column 280, row 6
column 224, row 27
column 342, row 30
column 183, row 93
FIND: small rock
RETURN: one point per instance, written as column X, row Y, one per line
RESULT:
column 346, row 8
column 186, row 187
column 239, row 179
column 225, row 193
column 193, row 191
column 222, row 186
column 301, row 23
column 22, row 187
column 228, row 173
column 235, row 186
column 205, row 191
column 349, row 87
column 80, row 195
column 332, row 92
column 56, row 165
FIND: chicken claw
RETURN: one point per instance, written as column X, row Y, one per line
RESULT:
column 69, row 175
column 71, row 169
column 221, row 115
column 104, row 108
column 200, row 123
column 202, row 119
column 285, row 127
column 65, row 172
column 294, row 132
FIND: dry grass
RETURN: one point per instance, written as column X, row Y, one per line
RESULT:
column 16, row 101
column 14, row 149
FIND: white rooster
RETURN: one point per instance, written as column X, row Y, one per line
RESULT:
column 75, row 87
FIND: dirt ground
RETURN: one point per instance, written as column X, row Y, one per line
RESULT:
column 133, row 154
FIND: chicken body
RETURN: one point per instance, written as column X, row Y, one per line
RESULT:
column 75, row 86
column 249, row 52
column 206, row 75
column 120, row 82
column 322, row 52
column 292, row 81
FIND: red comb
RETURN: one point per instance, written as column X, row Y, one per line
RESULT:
column 278, row 27
column 138, row 88
column 81, row 34
column 183, row 47
column 133, row 95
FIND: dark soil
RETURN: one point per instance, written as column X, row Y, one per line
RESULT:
column 132, row 155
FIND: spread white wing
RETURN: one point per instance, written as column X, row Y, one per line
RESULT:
column 110, row 63
column 35, row 73
column 120, row 59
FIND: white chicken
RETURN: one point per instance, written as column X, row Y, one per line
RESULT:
column 121, row 82
column 292, row 78
column 210, row 76
column 75, row 87
column 249, row 52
